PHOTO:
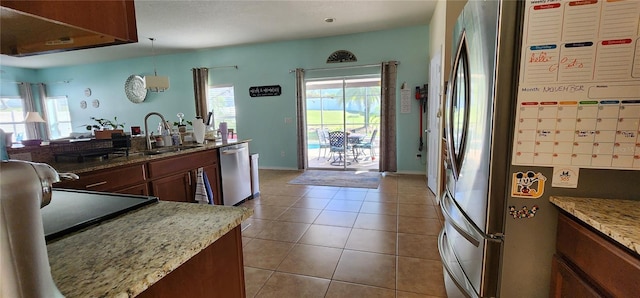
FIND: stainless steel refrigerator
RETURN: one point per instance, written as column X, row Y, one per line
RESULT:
column 517, row 132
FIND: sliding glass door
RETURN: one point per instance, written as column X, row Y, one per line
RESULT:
column 343, row 122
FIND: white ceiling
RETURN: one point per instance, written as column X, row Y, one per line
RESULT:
column 189, row 25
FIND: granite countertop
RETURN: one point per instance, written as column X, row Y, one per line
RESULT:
column 133, row 158
column 619, row 219
column 124, row 256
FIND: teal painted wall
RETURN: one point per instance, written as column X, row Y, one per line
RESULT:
column 9, row 76
column 260, row 119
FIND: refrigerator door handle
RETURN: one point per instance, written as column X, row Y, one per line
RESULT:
column 446, row 256
column 463, row 225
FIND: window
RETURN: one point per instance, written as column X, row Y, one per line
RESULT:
column 12, row 117
column 222, row 101
column 58, row 117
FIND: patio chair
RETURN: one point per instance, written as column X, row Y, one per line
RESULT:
column 323, row 138
column 367, row 145
column 337, row 143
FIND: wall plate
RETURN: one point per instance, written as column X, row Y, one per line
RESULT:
column 135, row 89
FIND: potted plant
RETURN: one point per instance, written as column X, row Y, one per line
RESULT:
column 105, row 127
column 181, row 126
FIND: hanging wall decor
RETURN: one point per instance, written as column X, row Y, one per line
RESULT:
column 260, row 91
column 341, row 56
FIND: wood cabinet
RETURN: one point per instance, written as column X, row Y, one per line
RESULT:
column 38, row 27
column 213, row 176
column 588, row 264
column 140, row 190
column 125, row 179
column 217, row 271
column 174, row 178
column 566, row 282
column 170, row 179
column 175, row 188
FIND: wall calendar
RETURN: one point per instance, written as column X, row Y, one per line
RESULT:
column 579, row 91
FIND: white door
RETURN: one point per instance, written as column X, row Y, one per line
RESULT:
column 433, row 124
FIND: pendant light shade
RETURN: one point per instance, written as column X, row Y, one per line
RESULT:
column 155, row 83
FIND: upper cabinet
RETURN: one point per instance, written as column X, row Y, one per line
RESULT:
column 41, row 27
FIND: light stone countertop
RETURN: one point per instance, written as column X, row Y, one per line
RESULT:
column 133, row 158
column 619, row 219
column 124, row 256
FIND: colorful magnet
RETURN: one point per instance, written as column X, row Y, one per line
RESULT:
column 527, row 185
column 524, row 212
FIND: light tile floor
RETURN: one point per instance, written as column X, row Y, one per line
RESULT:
column 320, row 241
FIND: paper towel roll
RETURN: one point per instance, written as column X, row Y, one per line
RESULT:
column 198, row 130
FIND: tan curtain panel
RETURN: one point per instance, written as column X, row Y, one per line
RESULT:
column 27, row 100
column 300, row 121
column 43, row 127
column 200, row 90
column 388, row 153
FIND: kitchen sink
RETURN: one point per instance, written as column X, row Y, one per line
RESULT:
column 162, row 150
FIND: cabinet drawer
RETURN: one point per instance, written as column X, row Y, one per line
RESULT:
column 566, row 282
column 609, row 266
column 180, row 164
column 107, row 180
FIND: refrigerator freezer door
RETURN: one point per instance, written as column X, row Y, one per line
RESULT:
column 453, row 273
column 459, row 221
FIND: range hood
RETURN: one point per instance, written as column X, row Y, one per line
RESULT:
column 41, row 27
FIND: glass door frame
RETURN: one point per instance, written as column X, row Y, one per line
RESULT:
column 349, row 160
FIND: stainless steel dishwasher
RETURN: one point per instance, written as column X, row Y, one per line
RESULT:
column 236, row 173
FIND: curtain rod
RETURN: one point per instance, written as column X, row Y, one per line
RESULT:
column 18, row 83
column 228, row 66
column 341, row 67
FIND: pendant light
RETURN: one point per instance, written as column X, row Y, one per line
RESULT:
column 155, row 83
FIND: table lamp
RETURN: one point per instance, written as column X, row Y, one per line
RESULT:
column 33, row 117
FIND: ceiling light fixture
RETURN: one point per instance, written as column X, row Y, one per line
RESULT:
column 155, row 83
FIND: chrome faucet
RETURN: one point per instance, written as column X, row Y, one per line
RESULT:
column 146, row 127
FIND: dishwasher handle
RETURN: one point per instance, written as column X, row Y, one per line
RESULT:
column 234, row 151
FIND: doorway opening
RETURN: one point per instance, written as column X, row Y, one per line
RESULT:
column 343, row 123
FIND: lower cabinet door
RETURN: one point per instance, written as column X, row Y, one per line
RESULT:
column 140, row 189
column 565, row 282
column 213, row 175
column 175, row 188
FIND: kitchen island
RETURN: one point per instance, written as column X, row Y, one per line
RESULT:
column 165, row 249
column 597, row 248
column 170, row 176
column 136, row 157
column 618, row 219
